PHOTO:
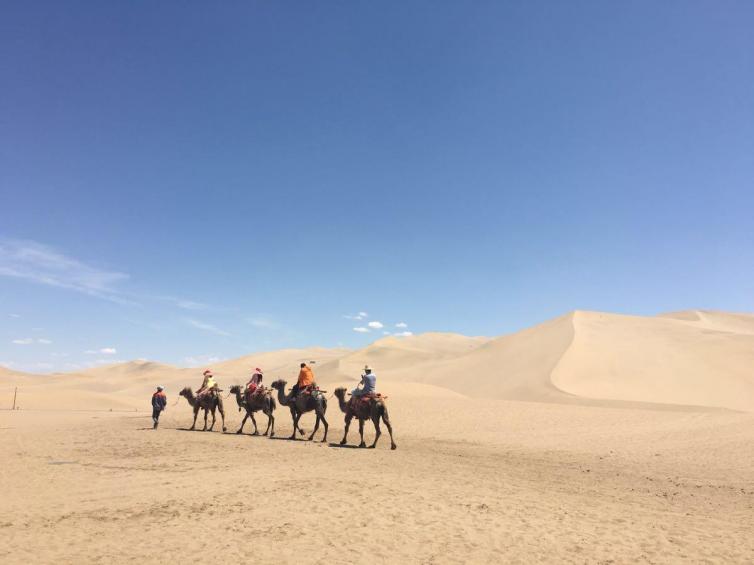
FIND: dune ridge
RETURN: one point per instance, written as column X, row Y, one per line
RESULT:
column 692, row 358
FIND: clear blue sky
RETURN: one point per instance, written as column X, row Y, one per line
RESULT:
column 192, row 179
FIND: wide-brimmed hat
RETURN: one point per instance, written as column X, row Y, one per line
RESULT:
column 160, row 387
column 207, row 372
column 367, row 368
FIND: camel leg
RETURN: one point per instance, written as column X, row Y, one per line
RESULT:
column 377, row 431
column 349, row 417
column 294, row 416
column 243, row 422
column 324, row 423
column 316, row 427
column 386, row 419
column 270, row 422
column 213, row 420
column 254, row 421
column 196, row 413
column 361, row 433
column 222, row 416
column 205, row 420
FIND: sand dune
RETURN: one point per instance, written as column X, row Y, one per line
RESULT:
column 575, row 408
column 692, row 358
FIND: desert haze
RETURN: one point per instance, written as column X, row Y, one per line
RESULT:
column 592, row 437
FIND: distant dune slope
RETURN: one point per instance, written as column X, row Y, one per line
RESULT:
column 400, row 354
column 697, row 357
column 660, row 359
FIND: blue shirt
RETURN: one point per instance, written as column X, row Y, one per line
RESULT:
column 369, row 381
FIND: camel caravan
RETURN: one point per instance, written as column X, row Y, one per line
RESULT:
column 365, row 403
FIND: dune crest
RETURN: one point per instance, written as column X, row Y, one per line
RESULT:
column 691, row 358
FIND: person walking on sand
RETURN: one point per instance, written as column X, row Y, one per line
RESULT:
column 159, row 403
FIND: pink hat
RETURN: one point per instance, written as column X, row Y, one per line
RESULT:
column 207, row 372
column 258, row 370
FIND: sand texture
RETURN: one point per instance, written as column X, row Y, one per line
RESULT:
column 591, row 438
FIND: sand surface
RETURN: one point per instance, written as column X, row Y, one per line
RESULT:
column 592, row 438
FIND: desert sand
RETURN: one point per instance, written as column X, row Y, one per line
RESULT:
column 591, row 438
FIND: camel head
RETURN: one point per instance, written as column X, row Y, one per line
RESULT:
column 186, row 392
column 235, row 389
column 340, row 392
column 279, row 384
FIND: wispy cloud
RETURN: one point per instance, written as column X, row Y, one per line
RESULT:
column 102, row 351
column 42, row 264
column 375, row 325
column 263, row 322
column 359, row 316
column 44, row 341
column 361, row 330
column 23, row 341
column 404, row 334
column 401, row 325
column 14, row 315
column 182, row 303
column 206, row 327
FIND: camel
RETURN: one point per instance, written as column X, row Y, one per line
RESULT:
column 304, row 403
column 372, row 410
column 208, row 402
column 263, row 402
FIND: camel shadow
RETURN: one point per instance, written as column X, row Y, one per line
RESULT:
column 346, row 446
column 281, row 438
column 200, row 431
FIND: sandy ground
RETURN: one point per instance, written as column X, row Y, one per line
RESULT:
column 471, row 481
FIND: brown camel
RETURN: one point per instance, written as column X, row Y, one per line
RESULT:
column 302, row 404
column 256, row 402
column 372, row 410
column 208, row 403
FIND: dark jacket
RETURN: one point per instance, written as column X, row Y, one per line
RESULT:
column 159, row 400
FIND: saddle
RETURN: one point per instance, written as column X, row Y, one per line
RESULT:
column 367, row 398
column 258, row 393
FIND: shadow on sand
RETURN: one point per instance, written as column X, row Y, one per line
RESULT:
column 346, row 446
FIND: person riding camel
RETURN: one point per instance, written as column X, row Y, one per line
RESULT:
column 368, row 384
column 305, row 379
column 208, row 384
column 255, row 383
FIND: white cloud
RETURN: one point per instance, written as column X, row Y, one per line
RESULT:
column 207, row 327
column 42, row 264
column 361, row 330
column 190, row 305
column 44, row 341
column 359, row 316
column 404, row 334
column 24, row 341
column 375, row 325
column 14, row 315
column 401, row 325
column 103, row 351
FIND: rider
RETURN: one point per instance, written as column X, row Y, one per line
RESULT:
column 255, row 383
column 368, row 383
column 305, row 379
column 208, row 383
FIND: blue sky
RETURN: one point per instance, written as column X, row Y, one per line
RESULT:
column 187, row 181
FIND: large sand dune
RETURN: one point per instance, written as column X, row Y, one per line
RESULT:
column 693, row 358
column 552, row 444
